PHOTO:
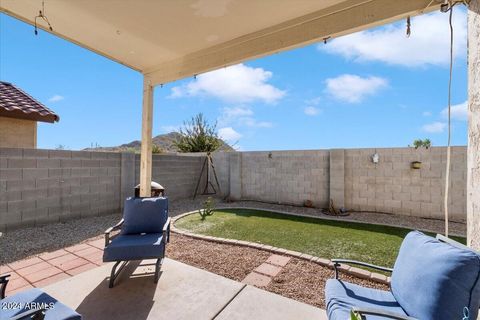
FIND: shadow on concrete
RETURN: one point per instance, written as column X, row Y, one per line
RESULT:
column 132, row 297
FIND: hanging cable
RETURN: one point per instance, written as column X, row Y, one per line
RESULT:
column 42, row 15
column 409, row 25
column 449, row 151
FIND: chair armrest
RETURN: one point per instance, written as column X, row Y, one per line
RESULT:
column 337, row 262
column 118, row 226
column 36, row 314
column 382, row 313
column 3, row 284
column 166, row 230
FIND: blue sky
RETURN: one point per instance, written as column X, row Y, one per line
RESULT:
column 371, row 89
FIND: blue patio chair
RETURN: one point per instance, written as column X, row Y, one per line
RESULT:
column 433, row 279
column 144, row 234
column 32, row 304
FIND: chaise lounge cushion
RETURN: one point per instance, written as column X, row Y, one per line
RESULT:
column 341, row 297
column 144, row 215
column 134, row 247
column 435, row 280
column 33, row 298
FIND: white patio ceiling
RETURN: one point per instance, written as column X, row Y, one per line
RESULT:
column 168, row 40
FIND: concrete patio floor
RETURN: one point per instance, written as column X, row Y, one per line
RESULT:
column 183, row 292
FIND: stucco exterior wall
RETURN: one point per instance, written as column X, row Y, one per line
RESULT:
column 473, row 188
column 17, row 133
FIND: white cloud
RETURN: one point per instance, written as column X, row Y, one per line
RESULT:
column 426, row 113
column 311, row 111
column 238, row 83
column 56, row 98
column 428, row 44
column 435, row 127
column 457, row 112
column 242, row 116
column 352, row 88
column 235, row 112
column 229, row 134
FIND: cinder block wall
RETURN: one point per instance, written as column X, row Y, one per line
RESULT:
column 178, row 174
column 44, row 186
column 392, row 186
column 350, row 178
column 288, row 177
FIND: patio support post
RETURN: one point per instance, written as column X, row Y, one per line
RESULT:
column 146, row 150
column 473, row 153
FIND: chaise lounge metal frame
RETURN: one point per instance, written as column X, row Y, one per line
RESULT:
column 122, row 263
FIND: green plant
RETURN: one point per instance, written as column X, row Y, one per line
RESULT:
column 197, row 135
column 426, row 143
column 208, row 208
column 156, row 149
column 355, row 316
column 60, row 147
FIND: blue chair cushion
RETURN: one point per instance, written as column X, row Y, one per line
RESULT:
column 144, row 215
column 341, row 297
column 134, row 247
column 435, row 280
column 33, row 297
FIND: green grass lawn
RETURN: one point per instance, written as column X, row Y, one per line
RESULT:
column 324, row 238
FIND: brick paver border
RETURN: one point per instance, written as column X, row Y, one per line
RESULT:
column 49, row 267
column 354, row 271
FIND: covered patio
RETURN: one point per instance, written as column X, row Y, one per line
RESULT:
column 183, row 292
column 168, row 41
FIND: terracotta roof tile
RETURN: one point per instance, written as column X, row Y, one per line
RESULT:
column 15, row 103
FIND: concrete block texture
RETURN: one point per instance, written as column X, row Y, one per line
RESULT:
column 403, row 190
column 337, row 177
column 351, row 179
column 289, row 177
column 45, row 186
column 127, row 178
column 61, row 185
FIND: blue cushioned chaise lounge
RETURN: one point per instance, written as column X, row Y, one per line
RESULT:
column 144, row 233
column 32, row 304
column 433, row 279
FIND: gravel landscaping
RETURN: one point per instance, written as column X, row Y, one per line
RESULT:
column 299, row 280
column 304, row 281
column 233, row 262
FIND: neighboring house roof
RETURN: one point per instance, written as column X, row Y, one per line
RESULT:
column 16, row 103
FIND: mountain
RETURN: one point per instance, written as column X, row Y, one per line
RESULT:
column 163, row 141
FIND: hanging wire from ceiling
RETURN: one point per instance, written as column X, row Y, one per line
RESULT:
column 409, row 25
column 448, row 7
column 41, row 15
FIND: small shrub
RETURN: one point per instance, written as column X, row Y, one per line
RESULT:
column 156, row 149
column 426, row 143
column 355, row 316
column 208, row 208
column 308, row 203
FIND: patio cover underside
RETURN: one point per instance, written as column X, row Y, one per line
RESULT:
column 169, row 40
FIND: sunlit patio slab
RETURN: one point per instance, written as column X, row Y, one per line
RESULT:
column 254, row 303
column 183, row 292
